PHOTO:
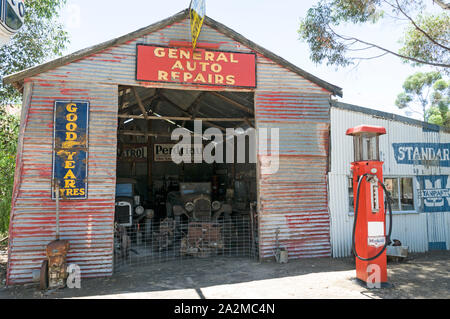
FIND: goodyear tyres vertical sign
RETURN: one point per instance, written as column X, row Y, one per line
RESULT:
column 70, row 148
column 197, row 13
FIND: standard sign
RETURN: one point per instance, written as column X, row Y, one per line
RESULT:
column 203, row 67
column 432, row 154
column 70, row 153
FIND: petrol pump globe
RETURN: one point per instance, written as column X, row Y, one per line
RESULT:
column 366, row 142
column 369, row 239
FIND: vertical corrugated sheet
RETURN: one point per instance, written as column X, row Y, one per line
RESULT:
column 412, row 229
column 294, row 200
column 436, row 226
column 86, row 224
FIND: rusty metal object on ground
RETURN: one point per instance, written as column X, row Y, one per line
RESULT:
column 202, row 240
column 57, row 263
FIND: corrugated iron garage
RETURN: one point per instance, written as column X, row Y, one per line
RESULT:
column 96, row 129
column 125, row 121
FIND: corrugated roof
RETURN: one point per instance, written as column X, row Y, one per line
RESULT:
column 20, row 76
column 389, row 116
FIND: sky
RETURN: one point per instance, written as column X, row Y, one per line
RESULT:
column 271, row 24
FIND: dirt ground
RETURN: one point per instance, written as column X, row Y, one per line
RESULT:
column 423, row 275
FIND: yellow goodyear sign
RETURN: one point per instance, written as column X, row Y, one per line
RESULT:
column 197, row 11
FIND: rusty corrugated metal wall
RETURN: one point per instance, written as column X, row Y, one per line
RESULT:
column 294, row 200
column 87, row 224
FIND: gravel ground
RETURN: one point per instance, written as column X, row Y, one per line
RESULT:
column 420, row 276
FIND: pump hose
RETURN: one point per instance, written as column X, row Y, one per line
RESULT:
column 388, row 200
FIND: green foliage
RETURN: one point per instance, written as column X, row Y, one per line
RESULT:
column 417, row 45
column 9, row 129
column 41, row 38
column 426, row 39
column 427, row 94
column 440, row 103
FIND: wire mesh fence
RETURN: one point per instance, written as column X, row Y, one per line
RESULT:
column 170, row 239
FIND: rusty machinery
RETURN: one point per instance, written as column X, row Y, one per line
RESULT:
column 369, row 239
column 204, row 234
column 202, row 239
column 54, row 268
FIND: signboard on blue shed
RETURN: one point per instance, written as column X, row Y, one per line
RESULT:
column 428, row 154
column 434, row 193
column 70, row 149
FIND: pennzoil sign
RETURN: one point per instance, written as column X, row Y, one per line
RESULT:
column 200, row 66
column 70, row 148
column 163, row 152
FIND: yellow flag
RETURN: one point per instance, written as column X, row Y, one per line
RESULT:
column 197, row 10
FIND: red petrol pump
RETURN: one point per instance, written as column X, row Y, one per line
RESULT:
column 369, row 239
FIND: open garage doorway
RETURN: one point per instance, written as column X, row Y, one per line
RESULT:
column 199, row 207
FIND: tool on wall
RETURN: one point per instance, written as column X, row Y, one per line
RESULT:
column 54, row 268
column 369, row 239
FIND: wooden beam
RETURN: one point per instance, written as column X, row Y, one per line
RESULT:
column 184, row 118
column 249, row 122
column 146, row 134
column 238, row 105
column 194, row 107
column 141, row 105
column 129, row 108
column 124, row 99
column 223, row 129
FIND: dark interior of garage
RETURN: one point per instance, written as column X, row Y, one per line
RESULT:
column 196, row 209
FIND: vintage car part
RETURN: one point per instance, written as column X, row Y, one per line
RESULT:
column 216, row 205
column 194, row 201
column 202, row 240
column 189, row 206
column 139, row 210
column 128, row 210
column 164, row 238
column 124, row 212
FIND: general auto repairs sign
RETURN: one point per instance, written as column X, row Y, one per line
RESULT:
column 70, row 148
column 199, row 66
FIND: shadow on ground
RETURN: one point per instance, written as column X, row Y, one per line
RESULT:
column 188, row 274
column 421, row 276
